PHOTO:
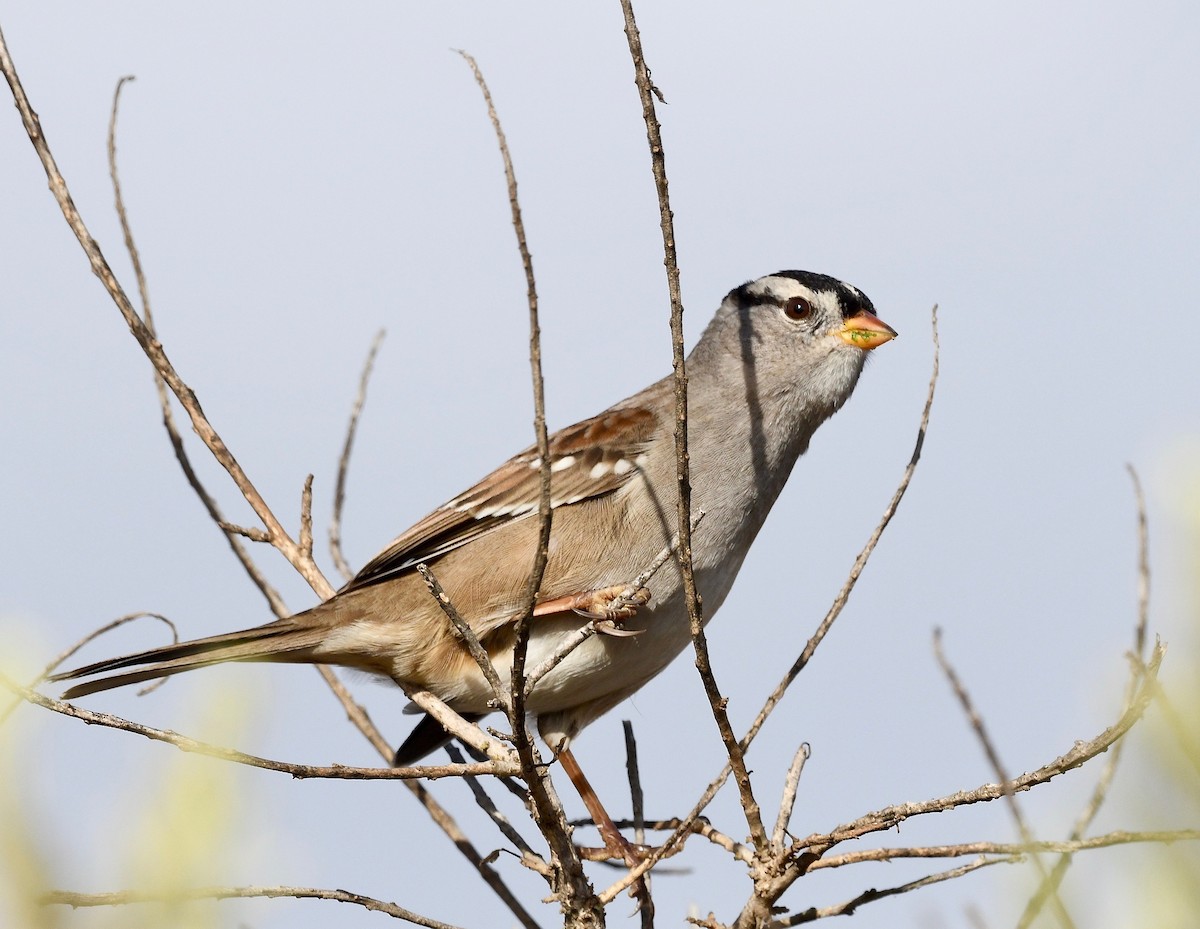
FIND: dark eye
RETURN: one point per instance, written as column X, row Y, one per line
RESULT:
column 798, row 308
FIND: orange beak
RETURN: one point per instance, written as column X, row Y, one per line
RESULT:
column 867, row 331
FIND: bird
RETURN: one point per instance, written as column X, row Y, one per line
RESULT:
column 781, row 355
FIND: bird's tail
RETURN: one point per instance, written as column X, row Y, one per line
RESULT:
column 283, row 640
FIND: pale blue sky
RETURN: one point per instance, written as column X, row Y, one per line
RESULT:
column 299, row 180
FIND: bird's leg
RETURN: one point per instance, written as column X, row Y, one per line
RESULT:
column 618, row 602
column 617, row 845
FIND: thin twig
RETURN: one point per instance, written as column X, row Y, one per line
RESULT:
column 573, row 888
column 788, row 800
column 997, row 765
column 462, row 631
column 700, row 827
column 1051, row 883
column 91, row 637
column 636, row 797
column 1080, row 753
column 253, row 534
column 125, row 897
column 641, row 888
column 339, row 493
column 839, row 603
column 1108, row 840
column 545, row 510
column 164, row 402
column 300, row 771
column 870, row 896
column 306, row 529
column 528, row 856
column 860, row 563
column 682, row 462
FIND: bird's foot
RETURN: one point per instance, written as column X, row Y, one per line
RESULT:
column 608, row 603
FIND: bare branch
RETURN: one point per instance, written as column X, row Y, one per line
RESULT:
column 545, row 511
column 124, row 897
column 87, row 639
column 1107, row 840
column 692, row 598
column 790, row 787
column 993, row 756
column 573, row 889
column 300, row 771
column 1050, row 884
column 1079, row 754
column 860, row 563
column 119, row 201
column 641, row 888
column 465, row 634
column 339, row 493
column 870, row 896
column 529, row 858
column 254, row 534
column 306, row 529
column 700, row 827
column 636, row 798
column 839, row 602
column 160, row 387
column 354, row 712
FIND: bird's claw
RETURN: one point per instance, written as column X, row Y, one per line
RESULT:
column 612, row 603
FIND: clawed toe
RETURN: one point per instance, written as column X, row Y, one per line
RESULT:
column 608, row 603
column 611, row 602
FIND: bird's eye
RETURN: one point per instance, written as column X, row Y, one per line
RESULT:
column 798, row 308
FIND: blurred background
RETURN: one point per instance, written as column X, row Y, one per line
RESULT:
column 297, row 182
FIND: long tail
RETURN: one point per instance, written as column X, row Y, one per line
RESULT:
column 283, row 640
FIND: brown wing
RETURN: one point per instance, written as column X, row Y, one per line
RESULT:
column 587, row 460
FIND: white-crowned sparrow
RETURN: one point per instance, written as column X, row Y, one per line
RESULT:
column 782, row 354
